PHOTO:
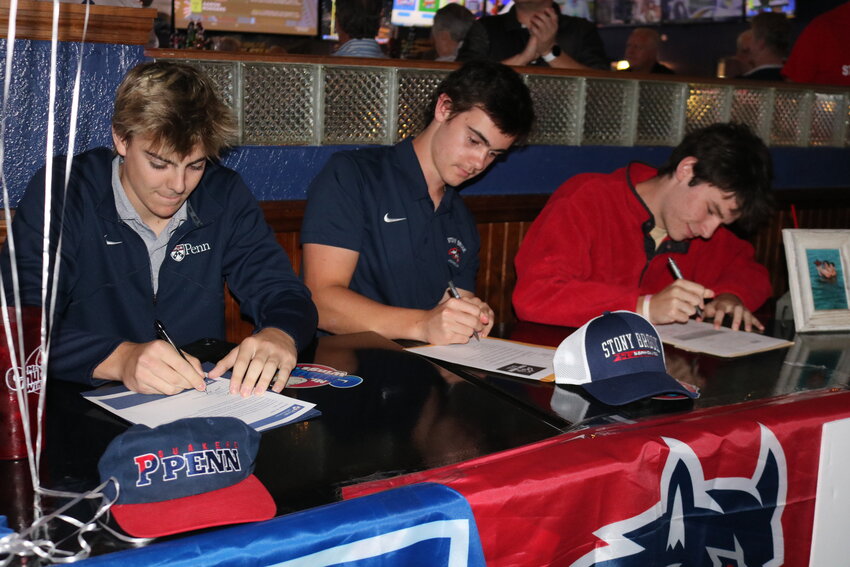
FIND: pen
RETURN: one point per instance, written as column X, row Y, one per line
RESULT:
column 163, row 334
column 677, row 273
column 456, row 294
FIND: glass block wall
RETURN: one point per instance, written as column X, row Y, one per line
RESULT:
column 322, row 104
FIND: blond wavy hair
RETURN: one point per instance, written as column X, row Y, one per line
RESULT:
column 176, row 106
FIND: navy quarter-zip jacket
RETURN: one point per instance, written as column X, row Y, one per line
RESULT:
column 105, row 292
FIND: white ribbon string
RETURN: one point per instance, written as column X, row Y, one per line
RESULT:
column 35, row 540
column 26, row 544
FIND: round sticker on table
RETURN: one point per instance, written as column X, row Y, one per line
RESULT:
column 315, row 375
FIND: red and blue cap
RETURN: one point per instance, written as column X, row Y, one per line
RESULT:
column 617, row 358
column 185, row 475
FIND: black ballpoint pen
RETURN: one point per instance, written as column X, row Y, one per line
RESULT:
column 456, row 294
column 677, row 273
column 163, row 335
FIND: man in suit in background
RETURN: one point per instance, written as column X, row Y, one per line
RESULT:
column 534, row 32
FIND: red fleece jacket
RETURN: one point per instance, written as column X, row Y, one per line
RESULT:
column 589, row 251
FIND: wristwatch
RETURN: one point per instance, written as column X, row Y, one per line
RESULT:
column 552, row 55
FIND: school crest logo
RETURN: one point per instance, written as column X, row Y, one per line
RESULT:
column 180, row 251
column 723, row 522
column 455, row 251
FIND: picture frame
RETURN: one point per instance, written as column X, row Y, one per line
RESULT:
column 818, row 278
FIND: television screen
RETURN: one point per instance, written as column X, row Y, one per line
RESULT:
column 577, row 8
column 756, row 6
column 296, row 17
column 328, row 24
column 701, row 10
column 420, row 13
column 611, row 12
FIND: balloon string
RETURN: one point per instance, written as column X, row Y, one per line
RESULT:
column 28, row 542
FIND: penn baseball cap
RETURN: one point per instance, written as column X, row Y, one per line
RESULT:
column 617, row 358
column 185, row 475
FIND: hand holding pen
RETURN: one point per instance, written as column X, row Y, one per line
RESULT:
column 456, row 294
column 163, row 335
column 677, row 273
column 677, row 302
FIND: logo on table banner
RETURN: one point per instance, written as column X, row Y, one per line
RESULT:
column 725, row 521
column 315, row 375
column 221, row 458
column 182, row 250
column 29, row 379
column 456, row 251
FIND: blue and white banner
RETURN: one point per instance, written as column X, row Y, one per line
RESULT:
column 422, row 525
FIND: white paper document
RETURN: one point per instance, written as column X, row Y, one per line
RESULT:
column 260, row 412
column 497, row 355
column 700, row 336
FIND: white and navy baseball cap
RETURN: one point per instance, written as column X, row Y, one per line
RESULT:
column 617, row 358
column 185, row 475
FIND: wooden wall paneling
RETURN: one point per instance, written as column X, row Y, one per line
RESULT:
column 490, row 283
column 290, row 242
column 236, row 327
column 496, row 275
column 484, row 281
column 107, row 24
column 503, row 221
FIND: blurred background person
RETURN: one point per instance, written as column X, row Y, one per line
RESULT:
column 771, row 38
column 535, row 32
column 646, row 11
column 738, row 64
column 357, row 23
column 822, row 52
column 451, row 24
column 642, row 52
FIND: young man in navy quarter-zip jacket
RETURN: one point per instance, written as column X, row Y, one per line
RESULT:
column 151, row 232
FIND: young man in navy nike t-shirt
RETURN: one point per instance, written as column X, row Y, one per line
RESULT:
column 385, row 230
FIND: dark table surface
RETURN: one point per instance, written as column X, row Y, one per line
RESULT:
column 412, row 414
column 816, row 360
column 407, row 415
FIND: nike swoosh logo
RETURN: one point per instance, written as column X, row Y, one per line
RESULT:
column 113, row 242
column 388, row 219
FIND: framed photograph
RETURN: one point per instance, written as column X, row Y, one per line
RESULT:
column 818, row 262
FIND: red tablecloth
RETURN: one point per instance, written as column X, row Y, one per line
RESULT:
column 735, row 483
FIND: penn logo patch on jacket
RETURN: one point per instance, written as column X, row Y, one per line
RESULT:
column 182, row 250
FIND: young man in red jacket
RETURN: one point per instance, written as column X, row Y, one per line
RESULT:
column 603, row 241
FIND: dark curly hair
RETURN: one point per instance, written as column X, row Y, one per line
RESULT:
column 733, row 158
column 360, row 19
column 495, row 88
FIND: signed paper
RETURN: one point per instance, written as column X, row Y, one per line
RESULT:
column 497, row 355
column 699, row 336
column 260, row 412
